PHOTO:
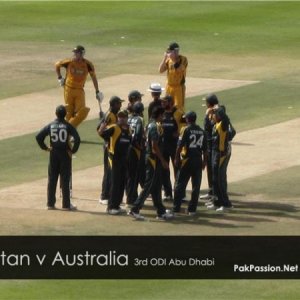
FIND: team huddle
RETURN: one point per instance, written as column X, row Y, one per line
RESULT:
column 138, row 153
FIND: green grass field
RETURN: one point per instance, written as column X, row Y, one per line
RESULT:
column 230, row 40
column 150, row 289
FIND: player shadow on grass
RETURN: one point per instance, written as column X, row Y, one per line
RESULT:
column 248, row 211
column 267, row 209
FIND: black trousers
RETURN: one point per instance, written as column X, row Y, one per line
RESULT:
column 168, row 154
column 106, row 180
column 59, row 165
column 118, row 181
column 191, row 168
column 142, row 168
column 220, row 165
column 209, row 172
column 133, row 170
column 152, row 186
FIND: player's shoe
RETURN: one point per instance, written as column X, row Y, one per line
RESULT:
column 191, row 213
column 224, row 208
column 166, row 216
column 136, row 216
column 122, row 210
column 168, row 199
column 212, row 207
column 175, row 211
column 50, row 208
column 221, row 209
column 103, row 201
column 205, row 197
column 71, row 208
column 185, row 199
column 113, row 211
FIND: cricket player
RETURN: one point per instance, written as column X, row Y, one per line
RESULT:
column 211, row 101
column 60, row 156
column 133, row 97
column 172, row 123
column 119, row 137
column 220, row 160
column 156, row 90
column 176, row 66
column 191, row 159
column 110, row 118
column 154, row 163
column 77, row 69
column 135, row 154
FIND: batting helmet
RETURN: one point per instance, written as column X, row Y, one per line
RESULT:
column 60, row 112
column 191, row 117
column 79, row 49
column 138, row 107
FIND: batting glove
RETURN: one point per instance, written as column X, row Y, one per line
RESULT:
column 99, row 96
column 61, row 81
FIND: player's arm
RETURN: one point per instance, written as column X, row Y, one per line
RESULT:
column 204, row 152
column 156, row 150
column 57, row 70
column 185, row 62
column 75, row 135
column 95, row 81
column 153, row 132
column 163, row 65
column 91, row 69
column 180, row 121
column 58, row 66
column 177, row 156
column 139, row 134
column 106, row 132
column 40, row 138
column 222, row 139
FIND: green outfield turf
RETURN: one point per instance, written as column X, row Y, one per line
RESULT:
column 281, row 185
column 149, row 290
column 247, row 40
column 230, row 40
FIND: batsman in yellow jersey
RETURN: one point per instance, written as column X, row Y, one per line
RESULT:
column 77, row 69
column 176, row 66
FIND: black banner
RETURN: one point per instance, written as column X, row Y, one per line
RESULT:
column 149, row 257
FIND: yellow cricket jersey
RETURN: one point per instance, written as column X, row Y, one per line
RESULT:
column 178, row 116
column 176, row 75
column 110, row 118
column 76, row 72
column 222, row 138
column 119, row 140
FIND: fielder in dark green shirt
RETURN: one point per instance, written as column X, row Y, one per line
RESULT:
column 191, row 155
